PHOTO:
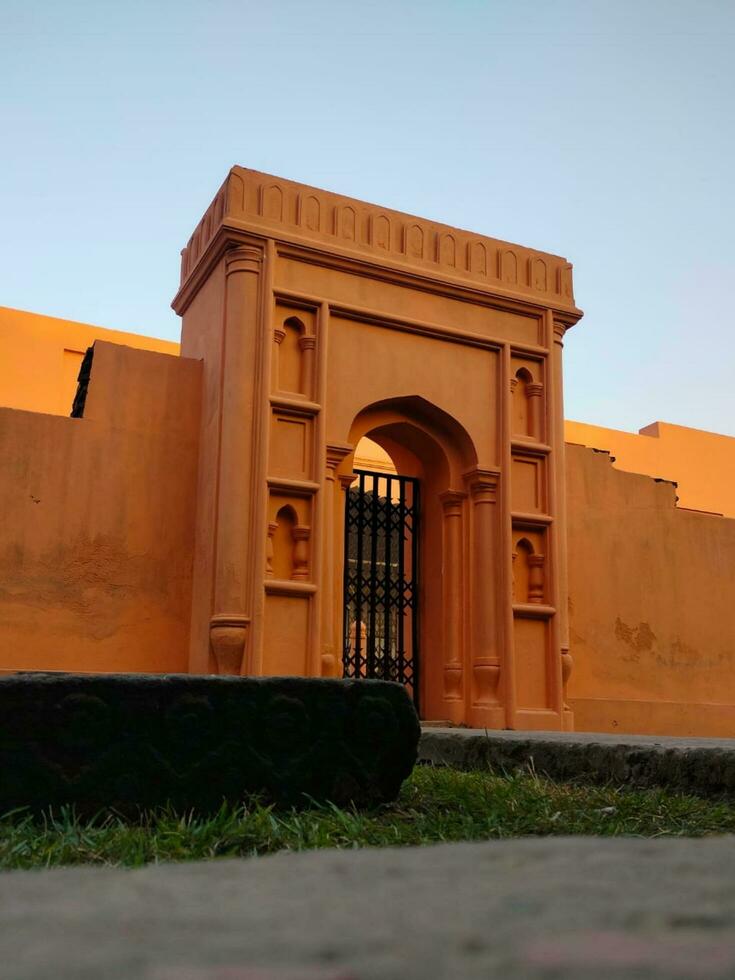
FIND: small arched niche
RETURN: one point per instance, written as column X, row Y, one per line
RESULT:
column 522, row 422
column 521, row 569
column 289, row 356
column 528, row 573
column 283, row 543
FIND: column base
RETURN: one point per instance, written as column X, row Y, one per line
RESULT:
column 486, row 716
column 227, row 637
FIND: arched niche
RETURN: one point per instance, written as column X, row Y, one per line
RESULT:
column 527, row 416
column 521, row 412
column 522, row 550
column 528, row 573
column 289, row 355
column 283, row 542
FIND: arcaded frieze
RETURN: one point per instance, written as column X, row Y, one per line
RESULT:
column 283, row 209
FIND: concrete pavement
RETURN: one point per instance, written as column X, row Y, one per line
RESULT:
column 531, row 908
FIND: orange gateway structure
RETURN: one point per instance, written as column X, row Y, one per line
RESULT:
column 320, row 320
column 357, row 466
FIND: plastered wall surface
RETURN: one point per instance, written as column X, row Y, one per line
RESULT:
column 98, row 513
column 701, row 463
column 652, row 617
column 40, row 357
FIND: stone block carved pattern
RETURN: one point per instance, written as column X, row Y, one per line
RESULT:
column 314, row 215
column 139, row 741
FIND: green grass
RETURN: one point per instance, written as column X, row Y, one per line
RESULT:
column 435, row 805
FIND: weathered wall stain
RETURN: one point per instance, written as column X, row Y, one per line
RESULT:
column 640, row 638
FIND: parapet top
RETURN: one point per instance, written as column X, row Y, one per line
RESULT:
column 284, row 210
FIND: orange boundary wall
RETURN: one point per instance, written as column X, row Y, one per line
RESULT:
column 40, row 357
column 651, row 611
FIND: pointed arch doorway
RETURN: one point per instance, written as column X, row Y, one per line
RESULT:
column 414, row 486
column 381, row 574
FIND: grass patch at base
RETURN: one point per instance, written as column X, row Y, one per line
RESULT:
column 435, row 805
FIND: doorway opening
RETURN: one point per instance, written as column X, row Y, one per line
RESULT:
column 381, row 572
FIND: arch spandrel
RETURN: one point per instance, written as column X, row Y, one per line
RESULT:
column 369, row 364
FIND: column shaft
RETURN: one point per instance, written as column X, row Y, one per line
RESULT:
column 232, row 577
column 485, row 659
column 333, row 516
column 452, row 504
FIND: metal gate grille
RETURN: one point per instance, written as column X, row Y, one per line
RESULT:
column 381, row 579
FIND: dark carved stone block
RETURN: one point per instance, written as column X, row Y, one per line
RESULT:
column 136, row 741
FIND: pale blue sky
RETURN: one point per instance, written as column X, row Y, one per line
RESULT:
column 603, row 131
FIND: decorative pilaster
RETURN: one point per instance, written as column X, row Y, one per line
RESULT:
column 232, row 600
column 334, row 518
column 269, row 549
column 483, row 487
column 279, row 335
column 452, row 506
column 307, row 344
column 536, row 589
column 534, row 394
column 301, row 534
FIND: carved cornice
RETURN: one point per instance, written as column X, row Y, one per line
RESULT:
column 282, row 209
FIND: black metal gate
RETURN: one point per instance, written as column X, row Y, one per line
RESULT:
column 381, row 579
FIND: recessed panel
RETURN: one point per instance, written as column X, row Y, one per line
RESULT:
column 531, row 663
column 290, row 446
column 286, row 635
column 527, row 485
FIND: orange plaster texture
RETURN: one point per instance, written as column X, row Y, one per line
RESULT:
column 701, row 463
column 98, row 517
column 40, row 357
column 321, row 320
column 651, row 606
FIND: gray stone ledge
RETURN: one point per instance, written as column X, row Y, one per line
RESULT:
column 705, row 767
